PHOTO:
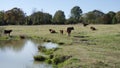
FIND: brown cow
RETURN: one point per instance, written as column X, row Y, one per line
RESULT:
column 93, row 28
column 61, row 31
column 85, row 24
column 69, row 29
column 52, row 31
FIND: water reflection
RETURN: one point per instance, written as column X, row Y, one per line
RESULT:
column 19, row 55
column 50, row 45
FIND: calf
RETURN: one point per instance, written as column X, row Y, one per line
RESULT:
column 69, row 29
column 52, row 31
column 93, row 28
column 85, row 24
column 7, row 32
column 61, row 31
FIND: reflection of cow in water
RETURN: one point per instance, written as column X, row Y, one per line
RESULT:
column 7, row 32
column 52, row 31
column 69, row 29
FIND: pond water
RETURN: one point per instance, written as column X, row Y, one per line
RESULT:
column 19, row 54
column 50, row 45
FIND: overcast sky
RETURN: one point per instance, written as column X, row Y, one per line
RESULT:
column 51, row 6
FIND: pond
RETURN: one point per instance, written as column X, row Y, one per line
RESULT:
column 19, row 54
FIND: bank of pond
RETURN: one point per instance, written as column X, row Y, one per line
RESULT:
column 29, row 54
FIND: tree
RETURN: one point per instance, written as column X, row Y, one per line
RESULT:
column 1, row 17
column 111, row 15
column 47, row 18
column 39, row 17
column 59, row 17
column 106, row 19
column 14, row 16
column 117, row 17
column 114, row 20
column 76, row 13
column 93, row 16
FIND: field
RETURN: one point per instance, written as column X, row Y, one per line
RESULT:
column 89, row 49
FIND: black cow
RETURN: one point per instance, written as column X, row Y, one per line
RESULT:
column 93, row 28
column 7, row 32
column 69, row 29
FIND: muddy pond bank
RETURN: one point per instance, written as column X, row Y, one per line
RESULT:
column 19, row 54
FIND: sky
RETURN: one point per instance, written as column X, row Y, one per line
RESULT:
column 51, row 6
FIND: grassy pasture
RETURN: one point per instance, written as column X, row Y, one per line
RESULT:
column 89, row 49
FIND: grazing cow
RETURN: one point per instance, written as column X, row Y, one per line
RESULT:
column 93, row 28
column 61, row 31
column 69, row 29
column 52, row 31
column 7, row 32
column 85, row 24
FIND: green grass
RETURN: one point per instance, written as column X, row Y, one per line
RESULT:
column 89, row 49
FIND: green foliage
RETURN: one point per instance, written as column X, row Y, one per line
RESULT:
column 114, row 20
column 93, row 17
column 1, row 31
column 1, row 17
column 14, row 16
column 71, row 21
column 57, row 59
column 40, row 58
column 76, row 12
column 46, row 51
column 117, row 16
column 106, row 19
column 38, row 18
column 59, row 17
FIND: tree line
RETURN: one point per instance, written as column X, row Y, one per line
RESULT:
column 16, row 16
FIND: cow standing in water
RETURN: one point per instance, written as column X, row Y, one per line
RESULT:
column 7, row 32
column 69, row 29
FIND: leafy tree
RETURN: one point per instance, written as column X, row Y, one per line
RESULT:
column 106, row 19
column 59, row 17
column 1, row 17
column 114, row 20
column 70, row 21
column 39, row 17
column 14, row 16
column 111, row 15
column 47, row 18
column 76, row 13
column 117, row 17
column 93, row 16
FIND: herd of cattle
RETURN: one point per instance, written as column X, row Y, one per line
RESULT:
column 69, row 29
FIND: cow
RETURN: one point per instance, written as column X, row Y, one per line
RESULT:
column 93, row 28
column 61, row 31
column 85, row 24
column 52, row 31
column 7, row 32
column 69, row 29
